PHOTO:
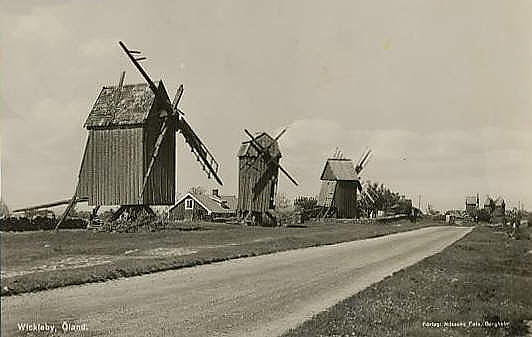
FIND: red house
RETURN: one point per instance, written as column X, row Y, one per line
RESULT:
column 194, row 206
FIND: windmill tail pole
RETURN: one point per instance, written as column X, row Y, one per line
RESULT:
column 47, row 205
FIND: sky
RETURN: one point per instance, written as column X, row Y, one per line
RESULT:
column 439, row 90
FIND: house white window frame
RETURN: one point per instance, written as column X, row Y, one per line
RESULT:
column 189, row 203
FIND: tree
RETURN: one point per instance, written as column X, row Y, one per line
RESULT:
column 305, row 203
column 282, row 200
column 383, row 198
column 4, row 210
column 198, row 190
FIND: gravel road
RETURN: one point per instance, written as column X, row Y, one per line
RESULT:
column 258, row 296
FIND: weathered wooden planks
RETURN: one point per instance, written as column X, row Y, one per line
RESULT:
column 112, row 167
column 257, row 181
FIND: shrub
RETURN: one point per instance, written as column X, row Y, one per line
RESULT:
column 484, row 215
column 39, row 223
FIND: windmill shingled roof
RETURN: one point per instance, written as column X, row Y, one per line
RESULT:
column 339, row 169
column 265, row 140
column 132, row 106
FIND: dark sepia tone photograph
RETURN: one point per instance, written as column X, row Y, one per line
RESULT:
column 266, row 168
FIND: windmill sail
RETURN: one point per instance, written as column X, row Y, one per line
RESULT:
column 208, row 162
column 262, row 152
column 154, row 155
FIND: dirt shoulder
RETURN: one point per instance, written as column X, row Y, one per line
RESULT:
column 476, row 287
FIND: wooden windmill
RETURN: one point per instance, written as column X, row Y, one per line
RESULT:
column 258, row 175
column 129, row 158
column 340, row 184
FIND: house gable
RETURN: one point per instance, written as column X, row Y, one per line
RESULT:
column 211, row 204
column 188, row 196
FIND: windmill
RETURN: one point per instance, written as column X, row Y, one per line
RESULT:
column 258, row 175
column 129, row 158
column 340, row 184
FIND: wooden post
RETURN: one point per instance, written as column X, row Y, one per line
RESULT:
column 65, row 213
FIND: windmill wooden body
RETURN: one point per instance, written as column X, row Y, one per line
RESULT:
column 340, row 184
column 129, row 157
column 258, row 160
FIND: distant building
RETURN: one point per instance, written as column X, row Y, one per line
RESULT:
column 339, row 187
column 195, row 206
column 496, row 208
column 403, row 206
column 489, row 204
column 471, row 205
column 499, row 211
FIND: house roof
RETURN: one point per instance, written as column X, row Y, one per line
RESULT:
column 265, row 140
column 339, row 169
column 129, row 106
column 471, row 200
column 213, row 204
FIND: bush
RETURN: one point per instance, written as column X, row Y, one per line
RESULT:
column 305, row 203
column 484, row 215
column 39, row 223
column 143, row 223
column 307, row 207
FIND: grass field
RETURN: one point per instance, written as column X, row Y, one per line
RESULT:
column 482, row 282
column 33, row 261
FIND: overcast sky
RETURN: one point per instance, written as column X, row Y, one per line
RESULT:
column 441, row 91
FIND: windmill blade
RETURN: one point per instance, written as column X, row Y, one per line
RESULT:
column 362, row 156
column 191, row 138
column 362, row 161
column 273, row 160
column 280, row 134
column 261, row 150
column 286, row 173
column 371, row 193
column 200, row 150
column 366, row 194
column 252, row 164
column 177, row 98
column 135, row 60
column 155, row 153
column 366, row 158
column 160, row 138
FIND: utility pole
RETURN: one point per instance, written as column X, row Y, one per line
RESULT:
column 419, row 202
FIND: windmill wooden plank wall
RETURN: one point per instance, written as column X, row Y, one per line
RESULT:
column 119, row 149
column 107, row 177
column 339, row 187
column 257, row 181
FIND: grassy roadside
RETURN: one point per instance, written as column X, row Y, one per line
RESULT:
column 483, row 282
column 34, row 261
